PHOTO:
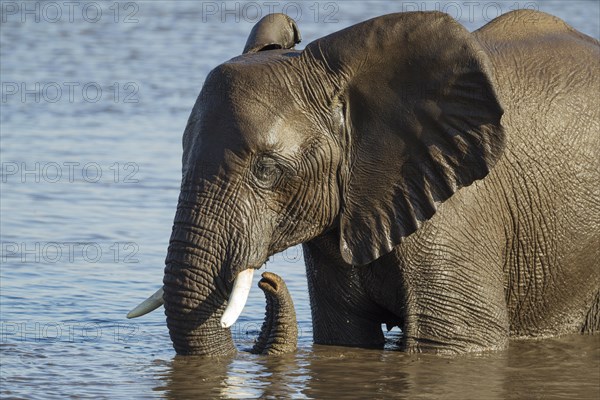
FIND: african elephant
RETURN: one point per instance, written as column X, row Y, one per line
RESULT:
column 442, row 181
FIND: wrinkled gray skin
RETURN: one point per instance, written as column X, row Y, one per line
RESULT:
column 442, row 181
column 279, row 333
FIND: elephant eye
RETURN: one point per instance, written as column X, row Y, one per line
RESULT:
column 267, row 172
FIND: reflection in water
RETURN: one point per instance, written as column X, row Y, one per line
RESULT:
column 187, row 377
column 246, row 376
column 343, row 372
column 567, row 368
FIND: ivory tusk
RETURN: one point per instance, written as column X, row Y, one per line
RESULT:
column 148, row 305
column 238, row 297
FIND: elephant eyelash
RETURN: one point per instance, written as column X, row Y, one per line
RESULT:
column 267, row 172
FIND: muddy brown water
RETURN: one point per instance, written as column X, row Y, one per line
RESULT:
column 566, row 368
column 89, row 187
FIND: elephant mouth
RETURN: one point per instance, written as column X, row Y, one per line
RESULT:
column 237, row 300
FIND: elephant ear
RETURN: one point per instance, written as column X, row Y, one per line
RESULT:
column 421, row 117
column 273, row 31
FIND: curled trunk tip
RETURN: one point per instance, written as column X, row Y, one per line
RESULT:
column 279, row 333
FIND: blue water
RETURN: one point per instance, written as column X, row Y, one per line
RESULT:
column 94, row 102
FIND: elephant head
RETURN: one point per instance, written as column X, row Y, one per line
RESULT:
column 363, row 134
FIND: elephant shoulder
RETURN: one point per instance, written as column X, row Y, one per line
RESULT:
column 534, row 51
column 528, row 25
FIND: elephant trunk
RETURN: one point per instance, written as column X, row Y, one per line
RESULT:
column 279, row 332
column 196, row 284
column 193, row 306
